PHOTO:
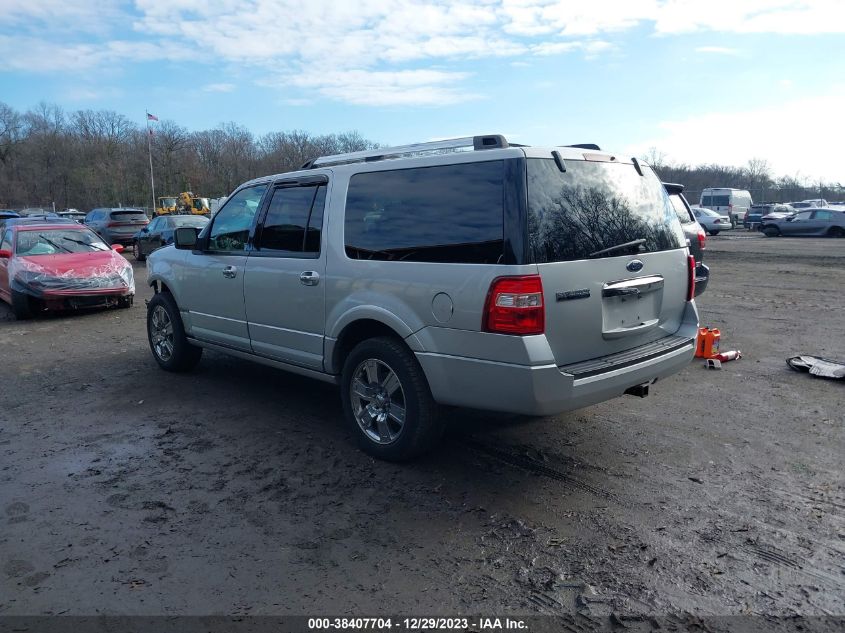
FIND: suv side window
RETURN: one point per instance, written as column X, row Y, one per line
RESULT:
column 804, row 215
column 230, row 227
column 294, row 220
column 6, row 239
column 450, row 213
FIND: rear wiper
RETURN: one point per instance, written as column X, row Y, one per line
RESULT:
column 618, row 247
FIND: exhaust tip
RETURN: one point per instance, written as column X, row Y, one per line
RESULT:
column 638, row 390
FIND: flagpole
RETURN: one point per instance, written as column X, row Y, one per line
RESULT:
column 150, row 151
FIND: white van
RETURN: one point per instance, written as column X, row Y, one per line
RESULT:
column 731, row 202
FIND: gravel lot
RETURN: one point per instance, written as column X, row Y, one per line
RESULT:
column 235, row 489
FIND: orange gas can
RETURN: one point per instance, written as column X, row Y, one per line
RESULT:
column 708, row 342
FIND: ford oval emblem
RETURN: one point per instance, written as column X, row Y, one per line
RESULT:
column 635, row 265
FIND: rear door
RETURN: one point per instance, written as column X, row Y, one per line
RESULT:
column 284, row 285
column 601, row 297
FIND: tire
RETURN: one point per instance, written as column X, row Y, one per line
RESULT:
column 21, row 307
column 771, row 231
column 714, row 232
column 136, row 251
column 179, row 355
column 125, row 302
column 836, row 231
column 386, row 361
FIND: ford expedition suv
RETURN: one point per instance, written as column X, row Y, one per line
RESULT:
column 467, row 273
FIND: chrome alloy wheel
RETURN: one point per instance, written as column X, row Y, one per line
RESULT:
column 378, row 402
column 161, row 333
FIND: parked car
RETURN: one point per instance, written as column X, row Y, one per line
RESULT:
column 36, row 211
column 35, row 219
column 60, row 266
column 72, row 214
column 521, row 279
column 807, row 222
column 160, row 231
column 713, row 222
column 8, row 213
column 117, row 226
column 733, row 202
column 755, row 214
column 693, row 231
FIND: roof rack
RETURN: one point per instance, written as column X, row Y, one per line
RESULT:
column 490, row 141
column 585, row 146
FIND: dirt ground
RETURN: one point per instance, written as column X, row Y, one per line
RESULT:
column 236, row 490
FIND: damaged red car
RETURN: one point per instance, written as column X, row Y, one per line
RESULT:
column 61, row 267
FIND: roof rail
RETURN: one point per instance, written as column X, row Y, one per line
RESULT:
column 490, row 141
column 585, row 146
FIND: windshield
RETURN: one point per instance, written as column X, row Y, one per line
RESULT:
column 168, row 202
column 595, row 206
column 57, row 241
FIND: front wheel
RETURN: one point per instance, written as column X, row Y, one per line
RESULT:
column 21, row 306
column 714, row 232
column 387, row 401
column 166, row 335
column 771, row 231
column 136, row 251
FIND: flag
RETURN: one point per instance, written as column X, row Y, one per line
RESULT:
column 151, row 117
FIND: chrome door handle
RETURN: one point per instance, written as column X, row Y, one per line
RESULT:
column 230, row 272
column 309, row 278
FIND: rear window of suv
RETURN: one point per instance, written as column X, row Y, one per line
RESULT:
column 128, row 216
column 594, row 206
column 449, row 213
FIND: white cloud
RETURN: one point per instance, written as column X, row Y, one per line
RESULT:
column 221, row 87
column 304, row 43
column 717, row 50
column 408, row 87
column 797, row 136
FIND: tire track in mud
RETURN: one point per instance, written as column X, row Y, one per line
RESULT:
column 533, row 465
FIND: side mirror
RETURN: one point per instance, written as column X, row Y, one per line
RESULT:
column 4, row 254
column 117, row 248
column 185, row 237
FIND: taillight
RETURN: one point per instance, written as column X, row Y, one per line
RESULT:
column 745, row 217
column 702, row 239
column 691, row 278
column 515, row 306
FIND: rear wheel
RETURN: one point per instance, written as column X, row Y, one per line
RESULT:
column 166, row 335
column 387, row 401
column 771, row 231
column 836, row 231
column 136, row 251
column 21, row 306
column 714, row 232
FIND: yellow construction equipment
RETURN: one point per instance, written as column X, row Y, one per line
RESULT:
column 186, row 203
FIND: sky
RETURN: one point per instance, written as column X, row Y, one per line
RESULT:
column 718, row 81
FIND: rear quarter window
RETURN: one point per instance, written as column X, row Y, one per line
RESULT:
column 449, row 213
column 593, row 206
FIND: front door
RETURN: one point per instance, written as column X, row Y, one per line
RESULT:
column 800, row 224
column 284, row 290
column 212, row 292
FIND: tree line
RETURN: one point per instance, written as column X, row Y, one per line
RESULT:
column 756, row 176
column 87, row 158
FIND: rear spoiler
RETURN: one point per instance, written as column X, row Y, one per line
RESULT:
column 673, row 188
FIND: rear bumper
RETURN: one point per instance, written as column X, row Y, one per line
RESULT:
column 548, row 389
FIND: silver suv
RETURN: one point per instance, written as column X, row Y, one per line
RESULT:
column 469, row 273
